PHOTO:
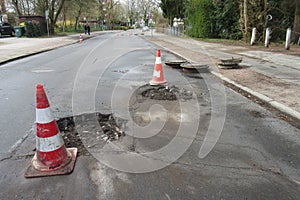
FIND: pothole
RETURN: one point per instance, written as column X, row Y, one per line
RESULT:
column 167, row 93
column 89, row 130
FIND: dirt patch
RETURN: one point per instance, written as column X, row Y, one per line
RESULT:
column 269, row 86
column 167, row 93
column 294, row 122
column 74, row 134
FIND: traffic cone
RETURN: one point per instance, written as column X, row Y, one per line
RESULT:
column 158, row 74
column 80, row 38
column 51, row 157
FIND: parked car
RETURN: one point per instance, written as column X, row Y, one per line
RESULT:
column 6, row 29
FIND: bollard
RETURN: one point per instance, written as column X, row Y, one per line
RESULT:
column 267, row 41
column 288, row 38
column 253, row 37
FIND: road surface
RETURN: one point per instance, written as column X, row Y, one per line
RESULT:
column 255, row 157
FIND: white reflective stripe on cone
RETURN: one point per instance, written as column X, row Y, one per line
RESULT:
column 49, row 144
column 158, row 60
column 44, row 115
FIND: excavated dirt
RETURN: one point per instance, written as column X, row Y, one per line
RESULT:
column 108, row 130
column 161, row 92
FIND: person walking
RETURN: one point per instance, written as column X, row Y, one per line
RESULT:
column 88, row 29
column 85, row 28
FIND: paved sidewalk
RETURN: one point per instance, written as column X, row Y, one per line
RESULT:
column 12, row 47
column 274, row 78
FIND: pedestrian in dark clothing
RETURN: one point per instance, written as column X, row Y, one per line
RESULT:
column 85, row 29
column 88, row 29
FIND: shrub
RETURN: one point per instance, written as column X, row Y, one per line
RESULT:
column 32, row 29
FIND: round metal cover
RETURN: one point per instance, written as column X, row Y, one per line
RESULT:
column 193, row 66
column 232, row 61
column 175, row 62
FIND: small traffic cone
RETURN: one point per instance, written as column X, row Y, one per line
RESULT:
column 80, row 38
column 158, row 74
column 51, row 157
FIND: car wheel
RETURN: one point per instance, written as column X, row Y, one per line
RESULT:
column 0, row 35
column 12, row 34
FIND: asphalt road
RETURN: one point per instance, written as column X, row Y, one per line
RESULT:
column 163, row 157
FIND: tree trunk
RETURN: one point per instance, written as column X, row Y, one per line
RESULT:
column 77, row 17
column 246, row 20
column 265, row 16
column 51, row 17
column 3, row 7
column 296, row 31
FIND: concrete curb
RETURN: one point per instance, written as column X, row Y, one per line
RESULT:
column 282, row 108
column 278, row 106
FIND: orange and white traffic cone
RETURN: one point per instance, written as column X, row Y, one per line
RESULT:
column 158, row 74
column 80, row 38
column 51, row 157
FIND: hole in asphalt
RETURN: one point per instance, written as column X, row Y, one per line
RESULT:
column 90, row 132
column 107, row 130
column 162, row 92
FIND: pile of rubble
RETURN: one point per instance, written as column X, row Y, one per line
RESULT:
column 164, row 92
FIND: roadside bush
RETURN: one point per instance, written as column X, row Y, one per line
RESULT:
column 199, row 19
column 32, row 29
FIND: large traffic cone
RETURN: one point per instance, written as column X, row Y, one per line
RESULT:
column 51, row 157
column 80, row 38
column 158, row 74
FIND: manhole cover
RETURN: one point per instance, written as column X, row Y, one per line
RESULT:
column 229, row 63
column 194, row 67
column 175, row 63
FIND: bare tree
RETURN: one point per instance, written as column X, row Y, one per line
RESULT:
column 54, row 7
column 131, row 10
column 246, row 20
column 296, row 32
column 3, row 6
